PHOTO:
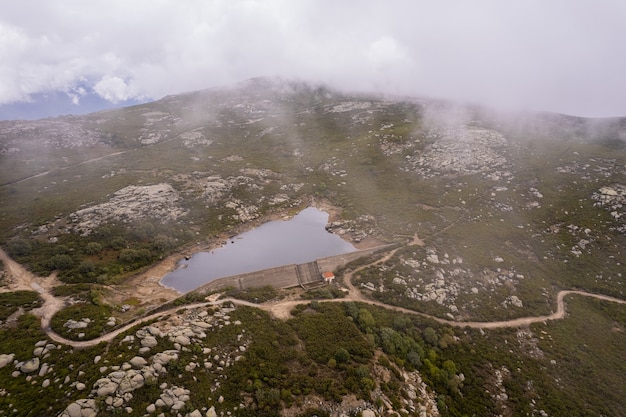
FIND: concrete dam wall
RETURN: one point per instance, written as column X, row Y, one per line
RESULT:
column 288, row 276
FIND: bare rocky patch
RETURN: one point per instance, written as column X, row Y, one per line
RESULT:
column 61, row 133
column 435, row 278
column 159, row 201
column 613, row 199
column 195, row 138
column 458, row 151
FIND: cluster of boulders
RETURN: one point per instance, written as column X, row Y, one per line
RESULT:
column 499, row 393
column 156, row 127
column 432, row 279
column 591, row 169
column 498, row 278
column 81, row 408
column 443, row 279
column 245, row 212
column 584, row 239
column 440, row 291
column 212, row 188
column 334, row 166
column 159, row 201
column 512, row 300
column 38, row 372
column 393, row 144
column 350, row 106
column 115, row 389
column 60, row 133
column 117, row 386
column 355, row 230
column 35, row 370
column 458, row 151
column 209, row 187
column 613, row 198
column 193, row 138
column 444, row 287
column 77, row 324
column 418, row 398
column 529, row 343
column 163, row 202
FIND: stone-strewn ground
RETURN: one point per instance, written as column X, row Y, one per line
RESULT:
column 159, row 201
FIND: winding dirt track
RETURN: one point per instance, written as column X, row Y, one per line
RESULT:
column 23, row 279
column 41, row 174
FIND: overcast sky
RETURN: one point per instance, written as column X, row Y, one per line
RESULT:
column 567, row 56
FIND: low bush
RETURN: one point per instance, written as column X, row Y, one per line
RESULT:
column 97, row 316
column 10, row 302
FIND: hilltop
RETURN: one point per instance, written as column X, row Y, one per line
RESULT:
column 501, row 212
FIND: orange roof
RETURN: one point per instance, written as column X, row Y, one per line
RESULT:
column 328, row 275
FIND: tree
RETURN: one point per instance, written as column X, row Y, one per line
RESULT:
column 118, row 243
column 342, row 356
column 449, row 366
column 86, row 267
column 390, row 341
column 93, row 248
column 162, row 243
column 414, row 359
column 135, row 255
column 430, row 336
column 60, row 250
column 62, row 262
column 366, row 320
column 446, row 340
column 19, row 247
column 400, row 323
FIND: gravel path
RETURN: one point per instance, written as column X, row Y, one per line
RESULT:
column 281, row 309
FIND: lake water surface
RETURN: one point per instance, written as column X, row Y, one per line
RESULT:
column 299, row 240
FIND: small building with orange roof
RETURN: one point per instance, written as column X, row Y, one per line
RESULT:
column 328, row 277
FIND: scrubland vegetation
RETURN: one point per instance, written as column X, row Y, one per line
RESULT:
column 508, row 210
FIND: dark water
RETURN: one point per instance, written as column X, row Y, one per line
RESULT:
column 299, row 240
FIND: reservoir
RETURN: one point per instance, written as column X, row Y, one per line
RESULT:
column 299, row 240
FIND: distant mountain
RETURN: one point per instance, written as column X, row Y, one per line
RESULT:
column 54, row 104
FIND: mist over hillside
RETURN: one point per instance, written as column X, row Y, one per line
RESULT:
column 494, row 214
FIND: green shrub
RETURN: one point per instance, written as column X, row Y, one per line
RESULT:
column 342, row 356
column 323, row 293
column 19, row 247
column 61, row 262
column 70, row 290
column 255, row 295
column 10, row 302
column 97, row 314
column 93, row 248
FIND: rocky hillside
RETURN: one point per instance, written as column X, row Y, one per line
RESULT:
column 508, row 209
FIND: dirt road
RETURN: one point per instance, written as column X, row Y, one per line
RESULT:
column 281, row 310
column 21, row 279
column 41, row 174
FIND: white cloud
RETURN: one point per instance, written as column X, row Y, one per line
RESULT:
column 75, row 94
column 115, row 89
column 562, row 55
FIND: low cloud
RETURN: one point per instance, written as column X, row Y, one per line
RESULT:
column 115, row 89
column 562, row 55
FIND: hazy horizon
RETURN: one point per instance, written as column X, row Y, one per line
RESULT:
column 561, row 56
